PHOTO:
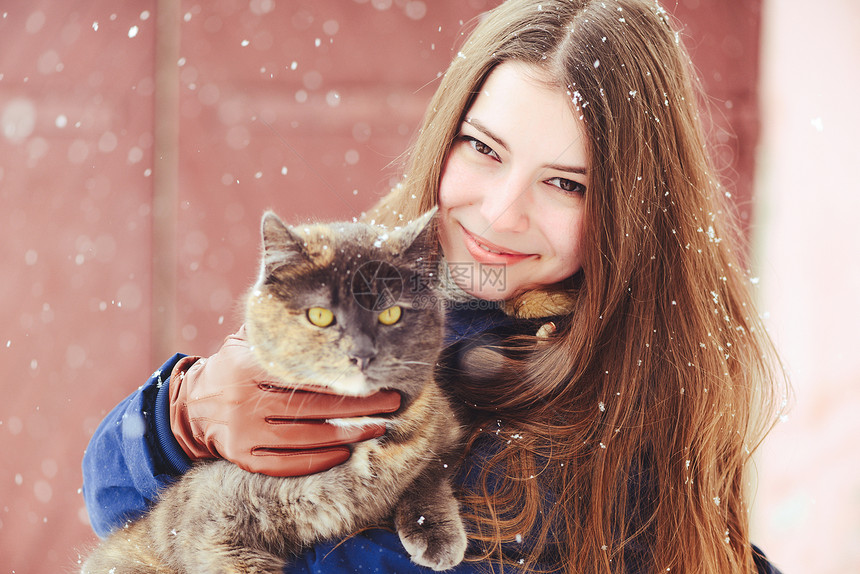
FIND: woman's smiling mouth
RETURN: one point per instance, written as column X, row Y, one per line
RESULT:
column 484, row 251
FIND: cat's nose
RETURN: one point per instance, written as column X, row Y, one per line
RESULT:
column 360, row 350
column 362, row 359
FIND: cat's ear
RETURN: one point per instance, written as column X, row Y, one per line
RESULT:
column 419, row 237
column 280, row 245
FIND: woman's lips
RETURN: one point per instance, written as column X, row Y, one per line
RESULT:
column 489, row 253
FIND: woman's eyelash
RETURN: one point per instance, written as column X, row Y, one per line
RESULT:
column 479, row 146
column 567, row 185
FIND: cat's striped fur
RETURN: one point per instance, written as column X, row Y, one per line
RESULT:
column 220, row 518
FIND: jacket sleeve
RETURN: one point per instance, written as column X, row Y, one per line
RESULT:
column 132, row 455
column 373, row 550
column 380, row 550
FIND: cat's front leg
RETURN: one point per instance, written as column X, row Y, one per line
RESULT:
column 428, row 522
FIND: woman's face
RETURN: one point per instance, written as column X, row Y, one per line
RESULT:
column 511, row 199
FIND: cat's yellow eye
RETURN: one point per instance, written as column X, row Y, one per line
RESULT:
column 320, row 316
column 390, row 316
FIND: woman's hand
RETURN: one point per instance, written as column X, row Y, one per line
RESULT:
column 227, row 407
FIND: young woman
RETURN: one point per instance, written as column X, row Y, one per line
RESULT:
column 619, row 387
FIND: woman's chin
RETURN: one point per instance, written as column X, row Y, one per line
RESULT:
column 490, row 292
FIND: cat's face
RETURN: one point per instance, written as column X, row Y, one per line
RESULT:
column 346, row 306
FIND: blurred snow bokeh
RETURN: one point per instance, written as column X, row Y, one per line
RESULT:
column 140, row 142
column 808, row 199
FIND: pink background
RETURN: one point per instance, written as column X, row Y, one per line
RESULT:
column 808, row 253
column 141, row 142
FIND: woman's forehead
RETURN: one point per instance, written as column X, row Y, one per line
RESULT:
column 520, row 109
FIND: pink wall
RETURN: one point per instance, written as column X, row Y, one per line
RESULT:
column 76, row 112
column 808, row 253
column 141, row 142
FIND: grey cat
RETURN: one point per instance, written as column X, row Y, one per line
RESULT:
column 326, row 294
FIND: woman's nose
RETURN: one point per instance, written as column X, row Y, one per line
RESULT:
column 505, row 206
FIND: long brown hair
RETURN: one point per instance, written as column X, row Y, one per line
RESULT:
column 640, row 414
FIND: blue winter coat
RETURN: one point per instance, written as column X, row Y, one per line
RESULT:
column 133, row 455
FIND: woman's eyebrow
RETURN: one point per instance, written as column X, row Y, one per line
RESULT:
column 568, row 168
column 475, row 123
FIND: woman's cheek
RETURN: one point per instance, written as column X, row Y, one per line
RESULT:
column 446, row 187
column 573, row 240
column 455, row 189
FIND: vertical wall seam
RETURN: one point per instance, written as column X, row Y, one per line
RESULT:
column 165, row 198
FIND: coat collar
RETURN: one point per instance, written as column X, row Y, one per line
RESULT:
column 550, row 301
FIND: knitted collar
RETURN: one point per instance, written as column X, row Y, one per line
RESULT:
column 549, row 301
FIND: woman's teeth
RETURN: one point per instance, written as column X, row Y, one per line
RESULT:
column 485, row 248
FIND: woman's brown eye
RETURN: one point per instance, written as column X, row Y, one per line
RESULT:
column 567, row 185
column 481, row 147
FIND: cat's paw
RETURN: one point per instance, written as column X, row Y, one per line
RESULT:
column 439, row 546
